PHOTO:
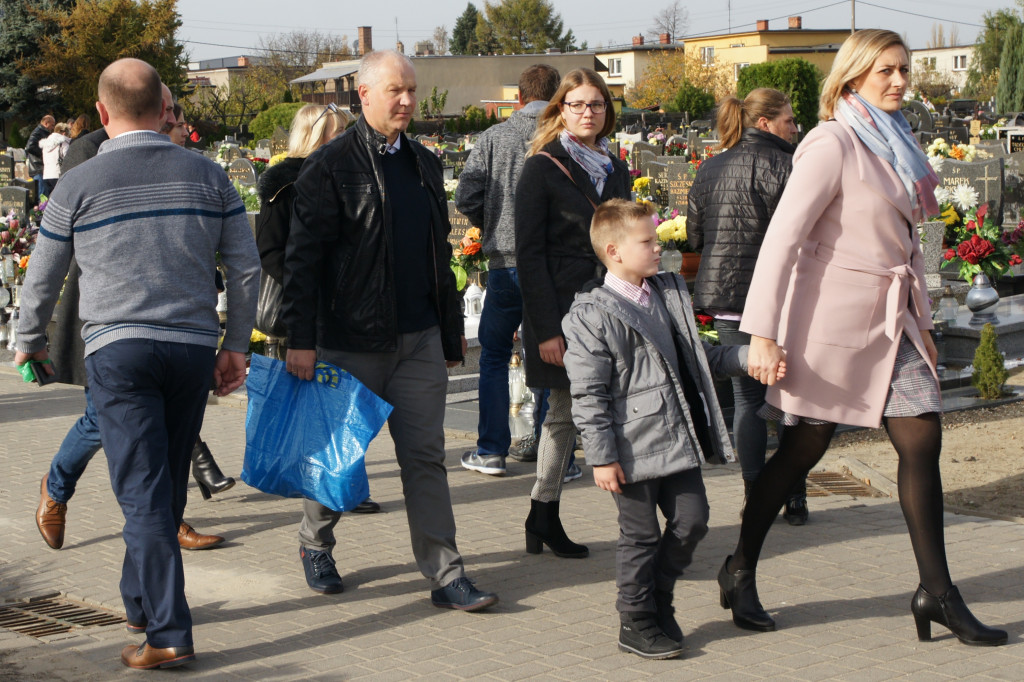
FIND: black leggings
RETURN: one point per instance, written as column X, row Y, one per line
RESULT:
column 918, row 442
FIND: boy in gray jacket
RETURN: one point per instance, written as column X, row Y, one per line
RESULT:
column 644, row 398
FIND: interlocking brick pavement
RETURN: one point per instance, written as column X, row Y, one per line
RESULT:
column 839, row 587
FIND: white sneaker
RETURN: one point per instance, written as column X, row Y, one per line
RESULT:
column 572, row 473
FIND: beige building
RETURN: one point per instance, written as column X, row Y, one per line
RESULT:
column 624, row 66
column 215, row 73
column 764, row 44
column 951, row 62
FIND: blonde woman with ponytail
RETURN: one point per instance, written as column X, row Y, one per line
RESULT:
column 731, row 203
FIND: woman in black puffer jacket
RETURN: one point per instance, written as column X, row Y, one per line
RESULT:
column 730, row 205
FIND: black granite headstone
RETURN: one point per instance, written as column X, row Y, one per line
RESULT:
column 6, row 169
column 986, row 177
column 680, row 181
column 243, row 171
column 279, row 141
column 15, row 199
column 460, row 224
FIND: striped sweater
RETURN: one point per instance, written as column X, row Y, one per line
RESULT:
column 144, row 220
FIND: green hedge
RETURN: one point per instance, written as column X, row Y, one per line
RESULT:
column 796, row 77
column 266, row 122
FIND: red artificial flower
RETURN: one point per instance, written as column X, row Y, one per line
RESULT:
column 704, row 319
column 623, row 153
column 980, row 213
column 975, row 249
column 950, row 254
column 1016, row 260
column 970, row 225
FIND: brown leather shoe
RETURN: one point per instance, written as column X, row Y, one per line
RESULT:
column 188, row 538
column 50, row 517
column 146, row 657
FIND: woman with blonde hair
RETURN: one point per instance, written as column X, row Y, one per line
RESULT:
column 314, row 126
column 80, row 126
column 732, row 200
column 568, row 172
column 840, row 323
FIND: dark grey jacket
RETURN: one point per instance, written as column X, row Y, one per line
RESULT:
column 487, row 186
column 626, row 393
column 730, row 205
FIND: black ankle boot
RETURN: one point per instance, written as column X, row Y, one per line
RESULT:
column 666, row 615
column 543, row 527
column 206, row 472
column 738, row 591
column 951, row 611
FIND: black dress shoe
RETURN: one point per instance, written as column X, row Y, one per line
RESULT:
column 461, row 594
column 738, row 591
column 951, row 611
column 367, row 506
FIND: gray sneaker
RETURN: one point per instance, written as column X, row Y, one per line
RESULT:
column 572, row 473
column 524, row 450
column 493, row 465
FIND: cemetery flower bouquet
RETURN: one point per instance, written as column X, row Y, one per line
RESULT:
column 36, row 214
column 277, row 158
column 642, row 189
column 449, row 188
column 15, row 236
column 259, row 164
column 657, row 137
column 250, row 197
column 706, row 328
column 980, row 246
column 675, row 149
column 940, row 149
column 992, row 131
column 672, row 233
column 468, row 259
column 222, row 156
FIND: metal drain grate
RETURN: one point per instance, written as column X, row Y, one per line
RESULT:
column 52, row 615
column 822, row 483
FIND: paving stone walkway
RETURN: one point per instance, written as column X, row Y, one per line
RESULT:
column 839, row 587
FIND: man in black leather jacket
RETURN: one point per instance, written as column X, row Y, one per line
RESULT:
column 368, row 287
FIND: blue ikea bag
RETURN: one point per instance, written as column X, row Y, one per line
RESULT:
column 308, row 438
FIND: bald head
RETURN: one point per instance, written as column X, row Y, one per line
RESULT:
column 130, row 90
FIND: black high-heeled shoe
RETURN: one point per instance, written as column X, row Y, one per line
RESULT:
column 543, row 527
column 206, row 472
column 951, row 611
column 738, row 591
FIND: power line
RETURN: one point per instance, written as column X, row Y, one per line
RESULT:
column 923, row 16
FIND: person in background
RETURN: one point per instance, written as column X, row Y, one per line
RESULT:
column 80, row 126
column 731, row 203
column 567, row 173
column 486, row 195
column 313, row 126
column 838, row 301
column 33, row 152
column 177, row 133
column 54, row 147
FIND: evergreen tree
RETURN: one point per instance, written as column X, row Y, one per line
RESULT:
column 989, row 371
column 21, row 32
column 528, row 26
column 796, row 77
column 1011, row 74
column 983, row 71
column 463, row 40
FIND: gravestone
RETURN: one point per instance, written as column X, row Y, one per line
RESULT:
column 613, row 149
column 923, row 114
column 263, row 143
column 456, row 160
column 958, row 134
column 693, row 144
column 658, row 172
column 460, row 224
column 6, row 170
column 210, row 154
column 15, row 199
column 231, row 153
column 279, row 141
column 243, row 171
column 449, row 172
column 993, row 148
column 1015, row 142
column 230, row 139
column 975, row 130
column 642, row 158
column 646, row 147
column 19, row 154
column 679, row 183
column 1013, row 188
column 29, row 186
column 984, row 176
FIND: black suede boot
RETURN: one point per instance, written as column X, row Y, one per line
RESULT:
column 543, row 527
column 206, row 472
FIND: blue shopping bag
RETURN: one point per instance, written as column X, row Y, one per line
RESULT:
column 309, row 438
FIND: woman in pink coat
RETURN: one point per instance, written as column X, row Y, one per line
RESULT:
column 840, row 323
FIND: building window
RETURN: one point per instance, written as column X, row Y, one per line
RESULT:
column 707, row 55
column 615, row 67
column 959, row 62
column 739, row 67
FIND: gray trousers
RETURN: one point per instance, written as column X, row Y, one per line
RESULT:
column 557, row 438
column 646, row 558
column 414, row 380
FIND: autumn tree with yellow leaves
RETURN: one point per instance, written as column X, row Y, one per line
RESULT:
column 669, row 70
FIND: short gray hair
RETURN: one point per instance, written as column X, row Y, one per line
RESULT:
column 372, row 63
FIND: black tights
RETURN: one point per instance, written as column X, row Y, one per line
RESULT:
column 918, row 442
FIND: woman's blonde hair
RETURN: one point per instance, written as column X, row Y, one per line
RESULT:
column 856, row 56
column 734, row 114
column 307, row 133
column 550, row 124
column 61, row 128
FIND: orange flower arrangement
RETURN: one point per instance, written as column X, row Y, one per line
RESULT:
column 468, row 259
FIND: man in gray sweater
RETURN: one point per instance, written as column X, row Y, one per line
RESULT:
column 486, row 195
column 145, row 220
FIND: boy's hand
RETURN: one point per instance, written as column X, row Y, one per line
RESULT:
column 552, row 351
column 609, row 477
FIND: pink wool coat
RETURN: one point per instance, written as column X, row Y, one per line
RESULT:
column 839, row 279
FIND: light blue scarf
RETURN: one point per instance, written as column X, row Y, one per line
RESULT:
column 596, row 163
column 889, row 136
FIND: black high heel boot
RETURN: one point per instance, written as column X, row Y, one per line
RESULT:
column 543, row 527
column 738, row 591
column 206, row 472
column 951, row 611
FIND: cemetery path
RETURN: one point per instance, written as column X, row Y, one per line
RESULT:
column 982, row 457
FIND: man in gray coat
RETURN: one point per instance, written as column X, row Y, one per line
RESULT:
column 486, row 195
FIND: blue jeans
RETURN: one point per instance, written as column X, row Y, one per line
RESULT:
column 502, row 315
column 79, row 446
column 150, row 397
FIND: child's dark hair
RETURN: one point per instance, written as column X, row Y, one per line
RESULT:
column 612, row 220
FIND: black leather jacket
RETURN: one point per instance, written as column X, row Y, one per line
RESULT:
column 338, row 271
column 731, row 203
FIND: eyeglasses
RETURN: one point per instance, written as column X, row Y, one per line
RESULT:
column 580, row 107
column 331, row 107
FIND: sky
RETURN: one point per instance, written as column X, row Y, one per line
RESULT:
column 224, row 28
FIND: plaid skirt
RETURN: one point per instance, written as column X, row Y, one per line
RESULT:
column 912, row 391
